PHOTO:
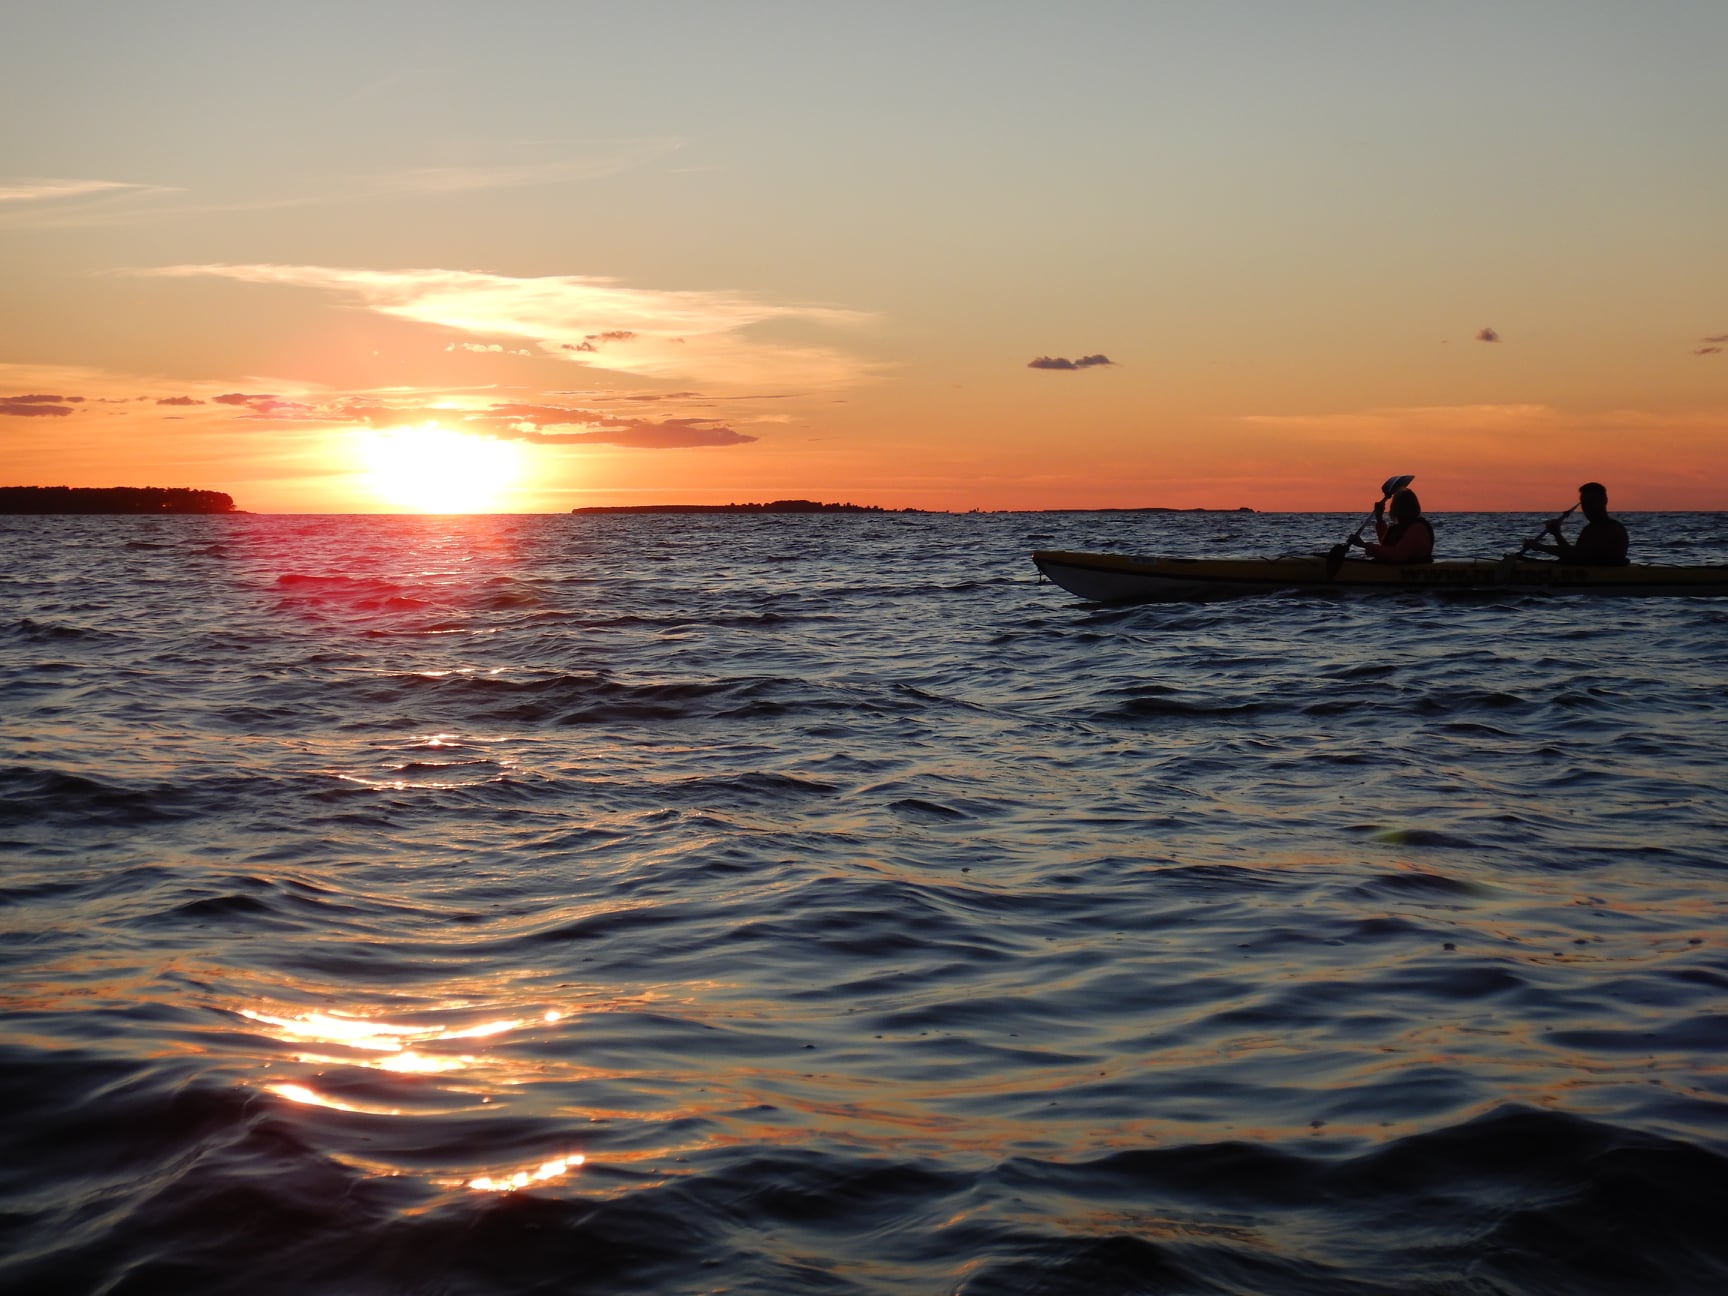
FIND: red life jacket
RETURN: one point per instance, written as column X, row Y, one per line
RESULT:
column 1404, row 542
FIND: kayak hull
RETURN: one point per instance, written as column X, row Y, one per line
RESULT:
column 1119, row 578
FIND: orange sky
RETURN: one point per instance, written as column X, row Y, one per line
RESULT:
column 946, row 256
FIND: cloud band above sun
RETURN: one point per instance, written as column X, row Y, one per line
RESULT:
column 597, row 322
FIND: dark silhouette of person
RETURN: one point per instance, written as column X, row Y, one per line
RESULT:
column 1602, row 542
column 1410, row 537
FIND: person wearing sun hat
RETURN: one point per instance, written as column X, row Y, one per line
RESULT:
column 1409, row 538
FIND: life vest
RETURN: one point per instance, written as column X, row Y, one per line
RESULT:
column 1396, row 533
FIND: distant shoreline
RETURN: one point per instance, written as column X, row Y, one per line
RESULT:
column 811, row 506
column 156, row 500
column 776, row 506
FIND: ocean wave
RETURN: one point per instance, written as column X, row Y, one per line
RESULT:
column 254, row 1192
column 35, row 795
column 526, row 904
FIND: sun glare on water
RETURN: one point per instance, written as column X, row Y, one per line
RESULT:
column 430, row 469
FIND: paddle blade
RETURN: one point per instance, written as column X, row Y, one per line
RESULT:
column 1395, row 484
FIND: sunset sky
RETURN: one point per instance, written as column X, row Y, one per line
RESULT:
column 949, row 254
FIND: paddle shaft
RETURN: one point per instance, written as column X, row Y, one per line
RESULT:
column 1537, row 538
column 1387, row 490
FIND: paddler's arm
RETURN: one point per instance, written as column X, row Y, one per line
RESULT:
column 1562, row 547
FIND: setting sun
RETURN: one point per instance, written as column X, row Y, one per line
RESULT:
column 430, row 469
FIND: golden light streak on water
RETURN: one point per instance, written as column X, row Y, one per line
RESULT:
column 329, row 1029
column 411, row 1063
column 312, row 1098
column 548, row 1170
column 382, row 1037
column 481, row 1031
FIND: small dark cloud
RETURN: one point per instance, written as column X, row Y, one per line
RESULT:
column 593, row 340
column 1720, row 337
column 30, row 409
column 38, row 405
column 1487, row 335
column 269, row 406
column 543, row 415
column 1062, row 362
column 178, row 400
column 1709, row 350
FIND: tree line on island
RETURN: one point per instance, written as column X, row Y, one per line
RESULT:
column 113, row 499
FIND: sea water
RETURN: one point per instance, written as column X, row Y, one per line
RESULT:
column 785, row 904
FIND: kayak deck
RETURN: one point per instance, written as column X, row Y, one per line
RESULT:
column 1113, row 578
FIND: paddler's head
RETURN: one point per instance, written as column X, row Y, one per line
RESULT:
column 1593, row 500
column 1405, row 506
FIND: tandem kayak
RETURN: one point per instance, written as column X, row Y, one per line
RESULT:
column 1120, row 578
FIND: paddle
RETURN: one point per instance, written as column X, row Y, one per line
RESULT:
column 1536, row 539
column 1388, row 489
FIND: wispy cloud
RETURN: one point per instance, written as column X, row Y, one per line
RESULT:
column 522, row 421
column 501, row 420
column 595, row 163
column 65, row 204
column 31, row 191
column 621, row 156
column 645, row 434
column 658, row 333
column 1712, row 345
column 492, row 348
column 1062, row 362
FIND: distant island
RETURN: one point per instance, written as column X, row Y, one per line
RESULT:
column 113, row 499
column 811, row 506
column 1148, row 508
column 777, row 506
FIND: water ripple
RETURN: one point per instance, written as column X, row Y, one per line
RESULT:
column 540, row 904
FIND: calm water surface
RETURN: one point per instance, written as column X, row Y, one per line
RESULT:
column 822, row 904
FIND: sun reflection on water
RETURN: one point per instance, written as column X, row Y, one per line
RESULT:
column 408, row 1052
column 554, row 1169
column 312, row 1098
